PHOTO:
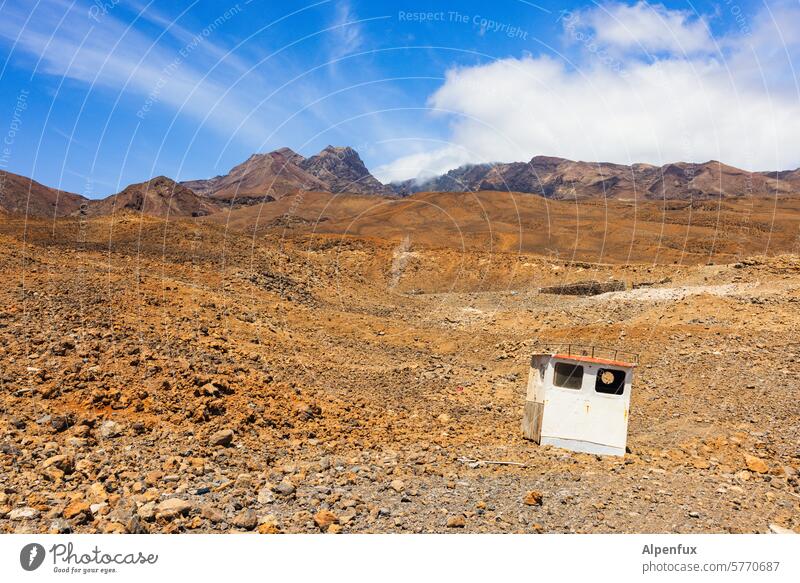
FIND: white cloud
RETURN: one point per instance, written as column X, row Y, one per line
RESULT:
column 425, row 164
column 346, row 35
column 729, row 106
column 644, row 27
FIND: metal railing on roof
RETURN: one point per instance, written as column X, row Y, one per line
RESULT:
column 590, row 350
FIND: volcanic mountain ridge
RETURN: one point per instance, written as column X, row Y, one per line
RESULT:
column 274, row 175
column 559, row 178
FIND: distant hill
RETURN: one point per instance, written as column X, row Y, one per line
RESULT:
column 559, row 178
column 22, row 196
column 160, row 197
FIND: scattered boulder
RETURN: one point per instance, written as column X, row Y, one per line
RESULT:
column 246, row 519
column 324, row 518
column 308, row 411
column 77, row 508
column 24, row 513
column 59, row 526
column 63, row 462
column 61, row 423
column 212, row 514
column 110, row 429
column 147, row 511
column 222, row 438
column 457, row 521
column 269, row 525
column 285, row 488
column 172, row 508
column 265, row 495
column 18, row 423
column 533, row 498
column 756, row 464
column 125, row 514
column 10, row 449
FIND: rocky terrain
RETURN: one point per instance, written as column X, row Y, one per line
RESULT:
column 185, row 376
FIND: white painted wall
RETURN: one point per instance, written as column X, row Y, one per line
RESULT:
column 581, row 420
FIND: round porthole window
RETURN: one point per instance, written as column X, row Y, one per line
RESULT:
column 607, row 377
column 610, row 381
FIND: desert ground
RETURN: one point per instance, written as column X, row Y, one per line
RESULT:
column 329, row 364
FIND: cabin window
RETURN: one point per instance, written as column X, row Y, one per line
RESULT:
column 610, row 381
column 568, row 376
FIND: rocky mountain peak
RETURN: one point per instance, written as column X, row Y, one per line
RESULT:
column 343, row 170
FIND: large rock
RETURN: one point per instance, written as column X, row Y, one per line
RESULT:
column 147, row 511
column 456, row 522
column 77, row 508
column 24, row 513
column 223, row 438
column 246, row 519
column 269, row 525
column 324, row 518
column 265, row 495
column 63, row 462
column 212, row 514
column 756, row 464
column 285, row 488
column 110, row 429
column 172, row 508
column 62, row 422
column 533, row 498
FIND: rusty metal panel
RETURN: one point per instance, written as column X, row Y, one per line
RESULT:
column 532, row 421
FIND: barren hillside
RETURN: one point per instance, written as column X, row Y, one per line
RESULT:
column 22, row 196
column 589, row 230
column 159, row 197
column 186, row 376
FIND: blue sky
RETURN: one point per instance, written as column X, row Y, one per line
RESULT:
column 97, row 95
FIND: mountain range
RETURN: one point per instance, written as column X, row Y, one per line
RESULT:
column 559, row 178
column 274, row 175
